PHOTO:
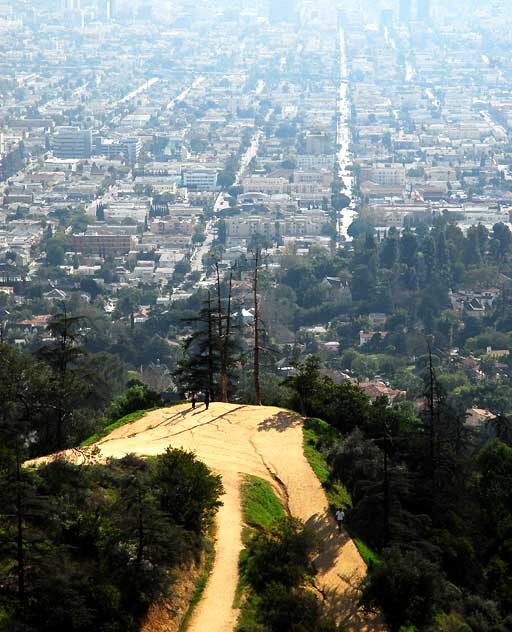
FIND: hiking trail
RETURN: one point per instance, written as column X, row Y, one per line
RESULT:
column 233, row 440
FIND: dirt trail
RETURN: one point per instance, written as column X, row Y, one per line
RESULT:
column 265, row 441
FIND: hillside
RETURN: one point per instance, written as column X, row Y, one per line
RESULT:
column 235, row 440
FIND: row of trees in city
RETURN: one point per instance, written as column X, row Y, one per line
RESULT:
column 416, row 270
column 429, row 496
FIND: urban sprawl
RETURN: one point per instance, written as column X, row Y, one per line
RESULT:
column 145, row 146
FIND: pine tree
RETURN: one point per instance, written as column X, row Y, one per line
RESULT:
column 62, row 355
column 257, row 394
column 211, row 350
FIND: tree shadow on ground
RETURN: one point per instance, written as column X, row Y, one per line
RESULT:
column 330, row 540
column 280, row 421
column 342, row 602
column 344, row 606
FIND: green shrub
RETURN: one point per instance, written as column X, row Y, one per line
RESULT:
column 189, row 493
column 100, row 542
column 136, row 398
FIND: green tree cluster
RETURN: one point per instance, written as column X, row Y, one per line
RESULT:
column 92, row 546
column 431, row 496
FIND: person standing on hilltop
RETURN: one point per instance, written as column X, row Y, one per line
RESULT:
column 206, row 399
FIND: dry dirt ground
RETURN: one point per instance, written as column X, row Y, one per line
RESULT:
column 265, row 441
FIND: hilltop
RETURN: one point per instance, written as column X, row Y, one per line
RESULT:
column 235, row 440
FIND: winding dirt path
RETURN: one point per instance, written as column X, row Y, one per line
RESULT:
column 265, row 441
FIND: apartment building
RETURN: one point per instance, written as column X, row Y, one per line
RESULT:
column 199, row 179
column 316, row 161
column 72, row 142
column 103, row 244
column 320, row 177
column 388, row 175
column 129, row 148
column 121, row 209
column 264, row 184
column 243, row 227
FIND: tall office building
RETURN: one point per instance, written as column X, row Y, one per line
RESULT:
column 145, row 10
column 71, row 5
column 423, row 9
column 281, row 11
column 107, row 9
column 405, row 11
column 386, row 18
column 72, row 142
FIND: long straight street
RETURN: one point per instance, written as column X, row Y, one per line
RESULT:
column 343, row 138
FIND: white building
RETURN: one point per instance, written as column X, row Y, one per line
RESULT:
column 200, row 179
column 264, row 184
column 72, row 142
column 387, row 175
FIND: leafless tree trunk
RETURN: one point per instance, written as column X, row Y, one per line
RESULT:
column 219, row 303
column 431, row 410
column 19, row 530
column 225, row 345
column 386, row 489
column 140, row 528
column 257, row 395
column 210, row 349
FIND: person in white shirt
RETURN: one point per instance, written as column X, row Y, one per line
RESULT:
column 340, row 516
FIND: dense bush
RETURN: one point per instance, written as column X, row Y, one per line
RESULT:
column 278, row 567
column 138, row 397
column 431, row 496
column 99, row 542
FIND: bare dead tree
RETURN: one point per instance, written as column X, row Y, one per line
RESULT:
column 257, row 395
column 219, row 301
column 210, row 347
column 225, row 344
column 19, row 529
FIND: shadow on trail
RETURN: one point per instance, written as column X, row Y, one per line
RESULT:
column 329, row 538
column 211, row 421
column 342, row 602
column 280, row 421
column 344, row 606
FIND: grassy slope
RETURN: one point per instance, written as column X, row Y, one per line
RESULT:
column 260, row 509
column 319, row 436
column 260, row 506
column 127, row 419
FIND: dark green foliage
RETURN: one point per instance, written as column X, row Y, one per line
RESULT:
column 434, row 506
column 100, row 544
column 55, row 399
column 296, row 611
column 213, row 343
column 342, row 405
column 406, row 586
column 281, row 556
column 189, row 493
column 138, row 397
column 278, row 568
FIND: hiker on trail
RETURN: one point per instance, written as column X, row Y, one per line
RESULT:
column 207, row 399
column 193, row 400
column 340, row 516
